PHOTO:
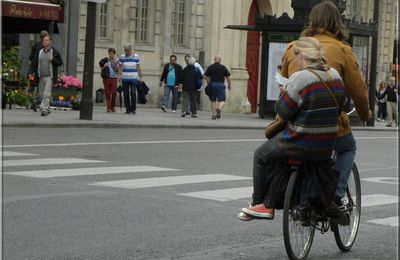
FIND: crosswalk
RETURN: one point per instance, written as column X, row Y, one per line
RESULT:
column 171, row 177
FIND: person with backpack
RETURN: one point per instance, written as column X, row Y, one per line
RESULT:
column 170, row 78
column 110, row 71
column 215, row 75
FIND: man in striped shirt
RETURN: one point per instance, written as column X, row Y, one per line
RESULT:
column 131, row 73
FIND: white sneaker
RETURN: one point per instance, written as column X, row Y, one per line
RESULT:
column 173, row 111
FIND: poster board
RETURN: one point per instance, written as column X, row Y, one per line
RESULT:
column 275, row 53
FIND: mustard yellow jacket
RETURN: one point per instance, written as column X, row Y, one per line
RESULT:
column 338, row 55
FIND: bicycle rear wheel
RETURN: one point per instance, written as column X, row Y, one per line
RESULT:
column 298, row 238
column 346, row 235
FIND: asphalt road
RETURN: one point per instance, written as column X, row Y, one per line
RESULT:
column 166, row 194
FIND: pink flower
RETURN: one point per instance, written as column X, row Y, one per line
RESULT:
column 71, row 82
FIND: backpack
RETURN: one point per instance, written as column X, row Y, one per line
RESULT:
column 105, row 71
column 199, row 79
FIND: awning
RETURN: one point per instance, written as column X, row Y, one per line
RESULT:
column 31, row 16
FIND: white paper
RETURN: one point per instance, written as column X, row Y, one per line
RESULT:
column 280, row 79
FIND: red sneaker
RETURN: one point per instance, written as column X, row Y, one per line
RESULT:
column 260, row 211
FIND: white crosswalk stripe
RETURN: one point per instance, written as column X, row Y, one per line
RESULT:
column 46, row 161
column 371, row 200
column 169, row 181
column 222, row 194
column 11, row 153
column 391, row 221
column 89, row 171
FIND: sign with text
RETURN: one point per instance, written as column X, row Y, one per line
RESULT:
column 31, row 10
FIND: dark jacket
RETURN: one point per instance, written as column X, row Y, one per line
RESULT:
column 390, row 93
column 57, row 62
column 188, row 79
column 142, row 90
column 178, row 73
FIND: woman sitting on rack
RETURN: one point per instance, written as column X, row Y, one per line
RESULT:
column 310, row 109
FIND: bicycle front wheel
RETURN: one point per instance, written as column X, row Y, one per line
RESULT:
column 346, row 235
column 298, row 237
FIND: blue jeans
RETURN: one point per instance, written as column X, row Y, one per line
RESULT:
column 129, row 88
column 345, row 148
column 167, row 92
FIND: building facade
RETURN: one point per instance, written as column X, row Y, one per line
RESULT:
column 159, row 28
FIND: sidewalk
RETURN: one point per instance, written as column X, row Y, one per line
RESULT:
column 145, row 118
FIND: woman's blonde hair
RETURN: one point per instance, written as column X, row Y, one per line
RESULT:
column 311, row 50
column 325, row 17
column 382, row 85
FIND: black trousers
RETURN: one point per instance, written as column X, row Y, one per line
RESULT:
column 264, row 155
column 190, row 96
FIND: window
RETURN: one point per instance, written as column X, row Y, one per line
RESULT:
column 142, row 21
column 103, row 21
column 179, row 23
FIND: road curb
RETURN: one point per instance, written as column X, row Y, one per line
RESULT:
column 111, row 125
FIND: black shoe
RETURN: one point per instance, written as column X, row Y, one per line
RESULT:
column 128, row 112
column 218, row 113
column 213, row 117
column 33, row 107
column 187, row 113
column 183, row 115
column 45, row 113
column 194, row 116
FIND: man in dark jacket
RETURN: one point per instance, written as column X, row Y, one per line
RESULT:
column 49, row 60
column 33, row 58
column 391, row 102
column 189, row 88
column 170, row 78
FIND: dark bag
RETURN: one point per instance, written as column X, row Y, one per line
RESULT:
column 275, row 127
column 208, row 90
column 120, row 89
column 317, row 184
column 105, row 72
column 277, row 179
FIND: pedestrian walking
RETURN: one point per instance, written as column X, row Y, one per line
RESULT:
column 189, row 88
column 33, row 77
column 391, row 101
column 131, row 73
column 170, row 78
column 200, row 71
column 46, row 68
column 325, row 25
column 215, row 75
column 381, row 102
column 110, row 72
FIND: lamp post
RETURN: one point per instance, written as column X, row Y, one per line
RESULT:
column 86, row 110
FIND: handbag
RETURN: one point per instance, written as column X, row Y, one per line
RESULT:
column 208, row 90
column 120, row 89
column 275, row 127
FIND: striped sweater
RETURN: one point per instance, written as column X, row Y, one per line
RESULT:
column 311, row 113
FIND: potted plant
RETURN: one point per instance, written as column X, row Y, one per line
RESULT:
column 66, row 88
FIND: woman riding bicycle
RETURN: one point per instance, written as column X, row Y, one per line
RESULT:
column 311, row 114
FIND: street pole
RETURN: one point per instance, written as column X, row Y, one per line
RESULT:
column 374, row 61
column 86, row 109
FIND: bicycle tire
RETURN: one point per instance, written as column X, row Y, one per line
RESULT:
column 301, row 251
column 345, row 236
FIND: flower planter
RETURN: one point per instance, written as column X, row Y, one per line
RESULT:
column 65, row 93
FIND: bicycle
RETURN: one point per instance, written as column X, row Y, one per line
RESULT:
column 299, row 224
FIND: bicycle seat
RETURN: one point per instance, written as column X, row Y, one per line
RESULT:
column 292, row 161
